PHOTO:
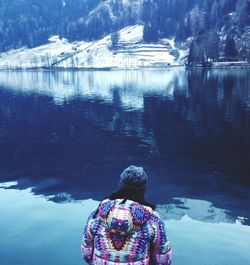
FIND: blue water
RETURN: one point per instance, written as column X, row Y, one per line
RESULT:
column 66, row 136
column 36, row 231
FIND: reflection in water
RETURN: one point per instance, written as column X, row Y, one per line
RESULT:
column 197, row 210
column 63, row 86
column 41, row 232
column 68, row 135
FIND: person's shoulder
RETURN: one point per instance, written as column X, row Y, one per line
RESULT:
column 155, row 217
column 156, row 214
column 105, row 206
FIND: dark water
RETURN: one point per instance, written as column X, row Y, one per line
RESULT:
column 68, row 135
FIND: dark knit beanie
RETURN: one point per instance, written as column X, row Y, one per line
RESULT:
column 134, row 177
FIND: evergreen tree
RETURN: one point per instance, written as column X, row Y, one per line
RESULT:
column 214, row 14
column 181, row 32
column 146, row 8
column 191, row 54
column 228, row 6
column 169, row 27
column 243, row 11
column 150, row 33
column 212, row 46
column 114, row 40
column 230, row 49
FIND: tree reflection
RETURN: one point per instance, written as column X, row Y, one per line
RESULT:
column 191, row 133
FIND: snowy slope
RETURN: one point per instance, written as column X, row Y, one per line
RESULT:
column 130, row 52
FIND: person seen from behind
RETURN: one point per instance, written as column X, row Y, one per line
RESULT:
column 125, row 228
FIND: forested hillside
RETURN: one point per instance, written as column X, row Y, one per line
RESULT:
column 31, row 22
column 214, row 29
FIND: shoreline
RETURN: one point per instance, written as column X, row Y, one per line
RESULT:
column 221, row 65
column 52, row 69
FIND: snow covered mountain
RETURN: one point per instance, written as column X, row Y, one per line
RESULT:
column 129, row 51
column 211, row 29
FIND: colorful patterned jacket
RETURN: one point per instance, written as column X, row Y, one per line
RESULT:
column 125, row 232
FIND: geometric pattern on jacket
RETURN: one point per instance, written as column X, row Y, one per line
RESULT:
column 126, row 233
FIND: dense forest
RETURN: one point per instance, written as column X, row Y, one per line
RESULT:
column 32, row 22
column 212, row 29
column 218, row 28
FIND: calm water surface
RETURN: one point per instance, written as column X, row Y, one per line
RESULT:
column 66, row 136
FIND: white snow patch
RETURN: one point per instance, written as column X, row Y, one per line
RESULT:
column 8, row 184
column 172, row 43
column 130, row 52
column 131, row 34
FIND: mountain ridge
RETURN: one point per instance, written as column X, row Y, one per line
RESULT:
column 217, row 29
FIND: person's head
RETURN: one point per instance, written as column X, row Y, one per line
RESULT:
column 134, row 178
column 132, row 185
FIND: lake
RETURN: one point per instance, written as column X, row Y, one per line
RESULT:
column 65, row 137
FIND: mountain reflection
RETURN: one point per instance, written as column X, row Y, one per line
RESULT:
column 197, row 210
column 68, row 135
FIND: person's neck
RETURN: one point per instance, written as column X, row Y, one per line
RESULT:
column 137, row 195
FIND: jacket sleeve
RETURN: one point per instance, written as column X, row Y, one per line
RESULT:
column 87, row 246
column 160, row 244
